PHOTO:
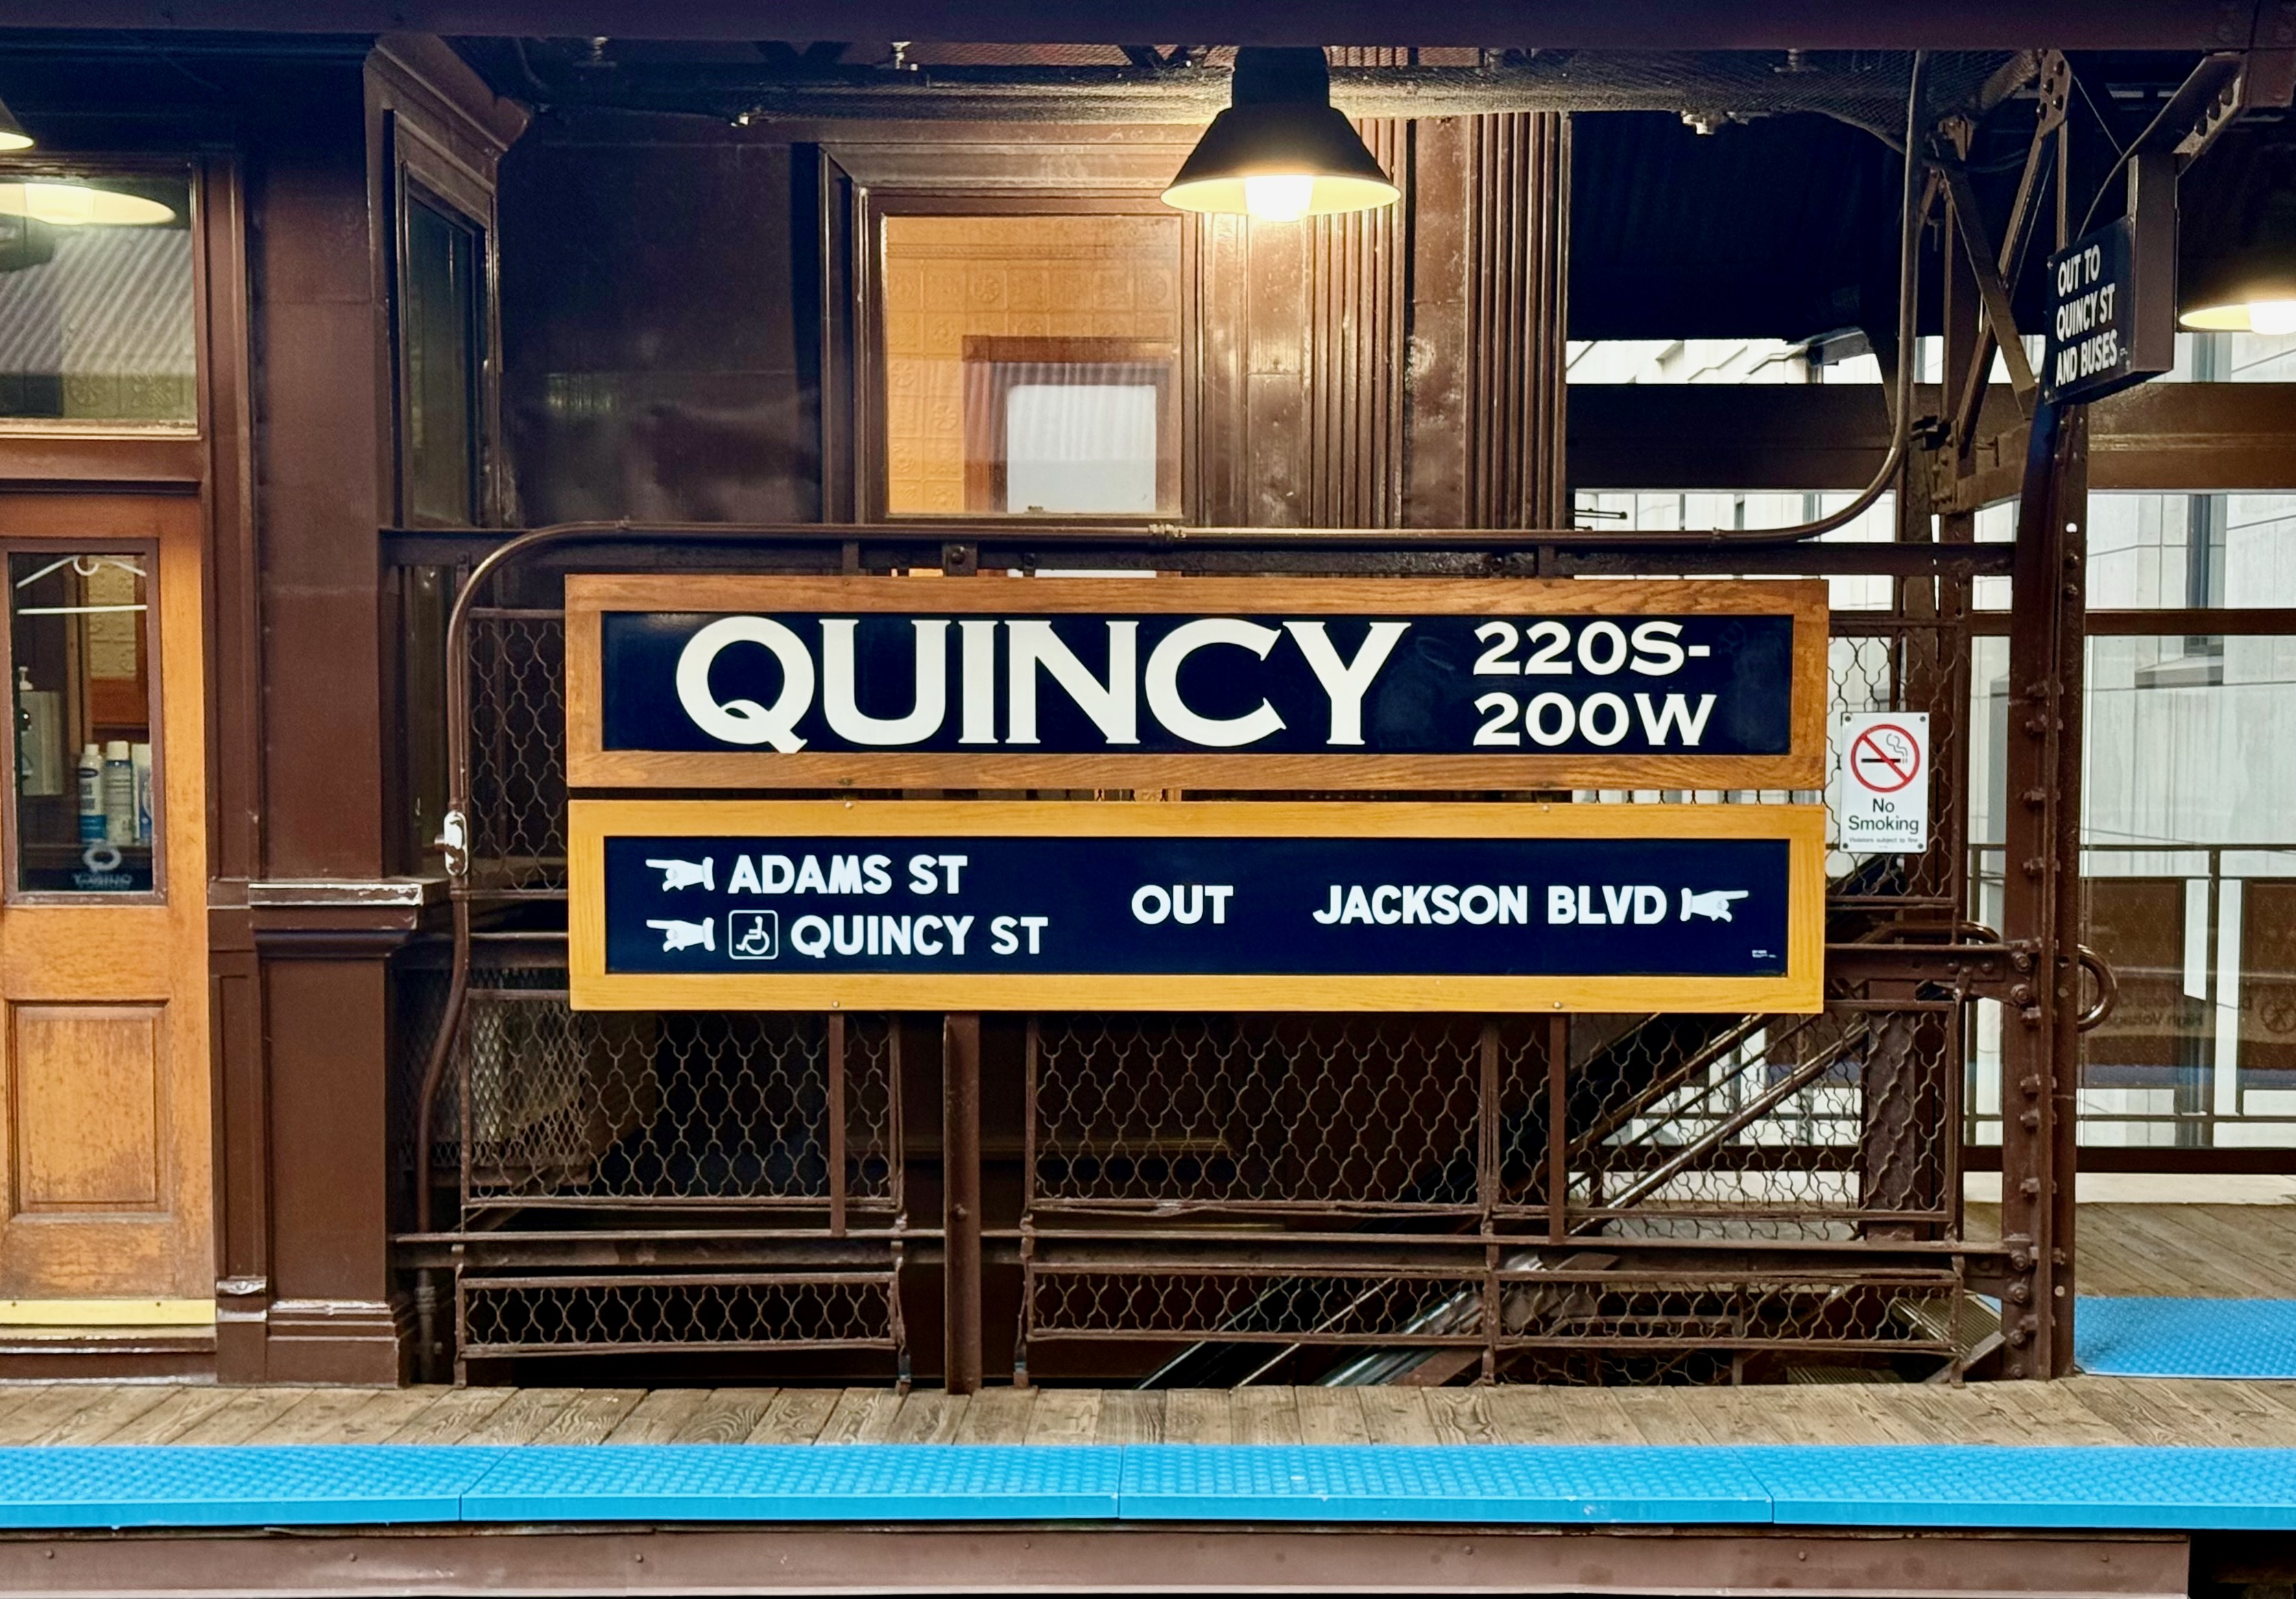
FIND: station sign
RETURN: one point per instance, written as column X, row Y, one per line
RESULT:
column 2111, row 322
column 759, row 682
column 983, row 905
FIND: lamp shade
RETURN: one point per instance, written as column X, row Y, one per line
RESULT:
column 13, row 135
column 2251, row 288
column 1280, row 151
column 61, row 203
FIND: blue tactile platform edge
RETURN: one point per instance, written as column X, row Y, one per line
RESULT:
column 1911, row 1486
column 2185, row 1338
column 237, row 1486
column 802, row 1483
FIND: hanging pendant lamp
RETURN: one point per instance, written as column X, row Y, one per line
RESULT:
column 1280, row 151
column 2252, row 288
column 13, row 135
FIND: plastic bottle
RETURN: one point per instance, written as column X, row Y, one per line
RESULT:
column 118, row 794
column 39, row 739
column 140, row 757
column 91, row 795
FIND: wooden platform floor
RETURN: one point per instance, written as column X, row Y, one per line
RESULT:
column 2080, row 1410
column 2178, row 1251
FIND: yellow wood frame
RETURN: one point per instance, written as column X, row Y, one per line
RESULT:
column 591, row 765
column 591, row 822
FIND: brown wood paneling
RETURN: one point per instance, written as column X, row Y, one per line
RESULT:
column 319, row 459
column 1224, row 456
column 1436, row 376
column 1275, row 366
column 86, row 1107
column 302, row 1008
column 67, row 461
column 1356, row 352
column 325, row 1022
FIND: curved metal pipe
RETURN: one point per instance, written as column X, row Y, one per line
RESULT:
column 1914, row 198
column 456, row 839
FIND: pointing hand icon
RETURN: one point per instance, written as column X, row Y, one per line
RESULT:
column 1714, row 905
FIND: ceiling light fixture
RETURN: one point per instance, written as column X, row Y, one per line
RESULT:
column 63, row 204
column 2251, row 289
column 1280, row 151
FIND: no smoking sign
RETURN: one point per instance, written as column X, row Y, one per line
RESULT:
column 1883, row 803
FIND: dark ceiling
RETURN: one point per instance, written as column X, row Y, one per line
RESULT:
column 1779, row 221
column 1510, row 24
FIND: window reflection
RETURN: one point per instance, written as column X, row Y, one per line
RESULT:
column 441, row 335
column 96, row 323
column 2188, row 862
column 87, row 807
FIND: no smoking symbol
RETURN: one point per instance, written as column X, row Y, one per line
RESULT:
column 1885, row 758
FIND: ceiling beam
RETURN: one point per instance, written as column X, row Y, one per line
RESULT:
column 1554, row 24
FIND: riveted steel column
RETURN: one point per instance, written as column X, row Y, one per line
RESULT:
column 2041, row 861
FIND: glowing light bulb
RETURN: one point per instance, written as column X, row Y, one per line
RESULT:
column 14, row 138
column 2272, row 315
column 1278, row 199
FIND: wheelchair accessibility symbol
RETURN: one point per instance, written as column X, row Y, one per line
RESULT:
column 753, row 935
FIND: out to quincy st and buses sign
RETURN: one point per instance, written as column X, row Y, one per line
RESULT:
column 766, row 682
column 974, row 905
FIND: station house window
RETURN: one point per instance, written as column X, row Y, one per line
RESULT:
column 97, row 331
column 1031, row 364
column 442, row 338
column 85, row 810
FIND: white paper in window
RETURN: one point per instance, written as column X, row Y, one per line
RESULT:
column 1080, row 448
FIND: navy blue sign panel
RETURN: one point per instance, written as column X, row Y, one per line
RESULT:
column 1266, row 682
column 1336, row 907
column 1614, row 898
column 2109, row 327
column 1216, row 683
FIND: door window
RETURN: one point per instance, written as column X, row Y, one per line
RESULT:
column 87, row 812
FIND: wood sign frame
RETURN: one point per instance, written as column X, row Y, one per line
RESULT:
column 591, row 764
column 1798, row 989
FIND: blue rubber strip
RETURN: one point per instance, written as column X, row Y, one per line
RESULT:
column 1568, row 1485
column 237, row 1486
column 1910, row 1486
column 2185, row 1338
column 2093, row 1488
column 799, row 1482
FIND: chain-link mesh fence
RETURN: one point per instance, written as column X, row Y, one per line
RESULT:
column 517, row 815
column 548, row 1315
column 1343, row 1113
column 570, row 1107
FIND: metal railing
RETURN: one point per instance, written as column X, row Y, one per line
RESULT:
column 1246, row 1198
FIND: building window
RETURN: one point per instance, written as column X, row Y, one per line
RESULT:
column 97, row 330
column 442, row 338
column 87, row 812
column 1031, row 364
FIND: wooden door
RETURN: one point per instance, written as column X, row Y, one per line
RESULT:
column 104, row 1135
